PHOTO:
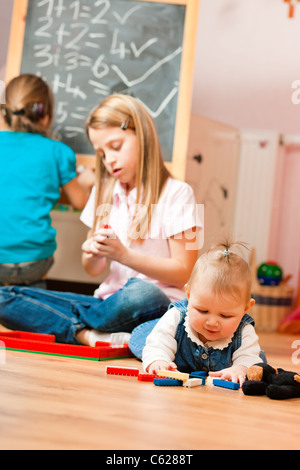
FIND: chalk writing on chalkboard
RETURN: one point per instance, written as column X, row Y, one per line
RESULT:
column 89, row 49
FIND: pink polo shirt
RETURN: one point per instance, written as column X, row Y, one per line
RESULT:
column 175, row 213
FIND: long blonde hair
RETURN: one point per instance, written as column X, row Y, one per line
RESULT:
column 28, row 100
column 151, row 174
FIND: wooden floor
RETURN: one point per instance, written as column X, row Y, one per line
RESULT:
column 49, row 402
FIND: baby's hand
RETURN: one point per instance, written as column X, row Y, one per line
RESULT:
column 234, row 374
column 160, row 365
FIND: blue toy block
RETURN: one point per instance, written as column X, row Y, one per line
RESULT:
column 168, row 382
column 226, row 384
column 199, row 374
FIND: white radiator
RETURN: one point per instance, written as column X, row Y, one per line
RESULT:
column 255, row 189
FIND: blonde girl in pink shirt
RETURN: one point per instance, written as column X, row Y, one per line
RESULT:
column 143, row 227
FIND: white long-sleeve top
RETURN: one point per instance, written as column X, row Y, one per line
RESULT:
column 161, row 344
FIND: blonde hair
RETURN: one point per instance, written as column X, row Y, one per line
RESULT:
column 227, row 272
column 28, row 100
column 151, row 174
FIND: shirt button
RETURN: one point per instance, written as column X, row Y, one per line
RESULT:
column 204, row 356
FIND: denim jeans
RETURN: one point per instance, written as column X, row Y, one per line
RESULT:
column 30, row 274
column 63, row 314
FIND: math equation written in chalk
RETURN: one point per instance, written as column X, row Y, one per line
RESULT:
column 89, row 49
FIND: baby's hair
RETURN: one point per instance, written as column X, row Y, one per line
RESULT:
column 28, row 100
column 128, row 113
column 227, row 272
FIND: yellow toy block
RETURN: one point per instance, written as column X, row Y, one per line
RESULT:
column 195, row 382
column 170, row 374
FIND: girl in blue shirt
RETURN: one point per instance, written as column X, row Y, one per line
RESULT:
column 33, row 169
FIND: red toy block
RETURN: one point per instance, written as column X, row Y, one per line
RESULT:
column 107, row 351
column 147, row 377
column 28, row 335
column 132, row 371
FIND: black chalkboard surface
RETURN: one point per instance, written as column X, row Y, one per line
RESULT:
column 89, row 49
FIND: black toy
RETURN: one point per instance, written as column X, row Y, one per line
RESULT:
column 277, row 384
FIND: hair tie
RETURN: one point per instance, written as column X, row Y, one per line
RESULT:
column 18, row 112
column 226, row 252
column 37, row 108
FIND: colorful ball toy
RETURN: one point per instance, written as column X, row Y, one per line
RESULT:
column 269, row 274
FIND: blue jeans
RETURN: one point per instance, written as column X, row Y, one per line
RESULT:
column 64, row 314
column 29, row 274
column 139, row 335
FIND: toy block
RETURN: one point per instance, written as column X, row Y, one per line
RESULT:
column 109, row 351
column 163, row 382
column 198, row 373
column 194, row 382
column 170, row 374
column 28, row 335
column 147, row 377
column 226, row 384
column 45, row 344
column 113, row 370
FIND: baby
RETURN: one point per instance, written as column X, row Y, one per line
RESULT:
column 210, row 330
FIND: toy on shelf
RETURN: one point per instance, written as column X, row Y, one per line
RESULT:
column 45, row 344
column 269, row 274
column 272, row 302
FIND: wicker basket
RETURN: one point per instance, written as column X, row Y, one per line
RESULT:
column 272, row 303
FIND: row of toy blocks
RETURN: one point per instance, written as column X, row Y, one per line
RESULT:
column 178, row 383
column 197, row 378
column 180, row 378
column 172, row 378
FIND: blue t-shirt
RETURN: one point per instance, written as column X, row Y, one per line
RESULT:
column 32, row 170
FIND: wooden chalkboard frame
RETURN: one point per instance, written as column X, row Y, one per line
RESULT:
column 183, row 115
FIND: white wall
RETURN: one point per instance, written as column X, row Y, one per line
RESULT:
column 246, row 61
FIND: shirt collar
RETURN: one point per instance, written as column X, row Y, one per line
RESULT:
column 120, row 195
column 191, row 333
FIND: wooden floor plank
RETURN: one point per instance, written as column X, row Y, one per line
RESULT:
column 50, row 402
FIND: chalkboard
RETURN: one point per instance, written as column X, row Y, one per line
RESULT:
column 89, row 49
